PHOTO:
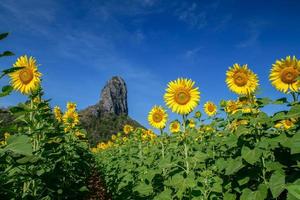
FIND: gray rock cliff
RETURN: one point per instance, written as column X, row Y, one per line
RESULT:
column 114, row 97
column 110, row 114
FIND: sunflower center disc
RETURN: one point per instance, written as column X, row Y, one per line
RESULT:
column 157, row 117
column 288, row 122
column 210, row 108
column 289, row 75
column 26, row 76
column 174, row 126
column 182, row 97
column 240, row 79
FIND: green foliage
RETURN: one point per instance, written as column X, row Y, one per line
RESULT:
column 38, row 159
column 230, row 160
column 102, row 128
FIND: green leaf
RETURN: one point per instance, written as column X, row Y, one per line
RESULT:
column 6, row 90
column 10, row 70
column 229, row 196
column 7, row 53
column 26, row 159
column 243, row 180
column 200, row 156
column 231, row 141
column 280, row 101
column 277, row 183
column 259, row 194
column 279, row 116
column 165, row 195
column 294, row 112
column 190, row 180
column 242, row 130
column 251, row 156
column 262, row 118
column 143, row 189
column 263, row 101
column 295, row 144
column 294, row 190
column 217, row 187
column 3, row 35
column 16, row 109
column 164, row 163
column 83, row 189
column 234, row 165
column 19, row 144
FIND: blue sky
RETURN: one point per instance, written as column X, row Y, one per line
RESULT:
column 81, row 44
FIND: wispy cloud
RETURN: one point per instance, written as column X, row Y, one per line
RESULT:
column 197, row 14
column 192, row 53
column 32, row 16
column 84, row 42
column 223, row 22
column 192, row 15
column 253, row 31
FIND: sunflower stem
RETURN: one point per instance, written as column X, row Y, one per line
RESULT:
column 184, row 121
column 295, row 96
column 161, row 131
column 186, row 149
column 163, row 156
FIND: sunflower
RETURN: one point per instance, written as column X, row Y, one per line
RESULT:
column 70, row 119
column 71, row 106
column 94, row 150
column 246, row 105
column 80, row 135
column 198, row 115
column 113, row 137
column 6, row 136
column 57, row 113
column 157, row 117
column 127, row 129
column 286, row 124
column 174, row 127
column 241, row 80
column 192, row 123
column 231, row 107
column 181, row 96
column 27, row 79
column 284, row 74
column 236, row 123
column 124, row 139
column 210, row 108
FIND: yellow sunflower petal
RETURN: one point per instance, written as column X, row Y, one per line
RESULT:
column 284, row 74
column 181, row 96
column 25, row 80
column 241, row 80
column 157, row 117
column 210, row 108
column 174, row 127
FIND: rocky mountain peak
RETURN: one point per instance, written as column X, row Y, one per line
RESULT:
column 110, row 114
column 114, row 97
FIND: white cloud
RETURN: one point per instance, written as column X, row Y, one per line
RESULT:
column 32, row 15
column 253, row 31
column 192, row 15
column 192, row 53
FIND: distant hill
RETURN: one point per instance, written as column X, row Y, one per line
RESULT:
column 101, row 120
column 110, row 114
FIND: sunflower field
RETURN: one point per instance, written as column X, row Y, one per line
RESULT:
column 230, row 150
column 43, row 154
column 236, row 151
